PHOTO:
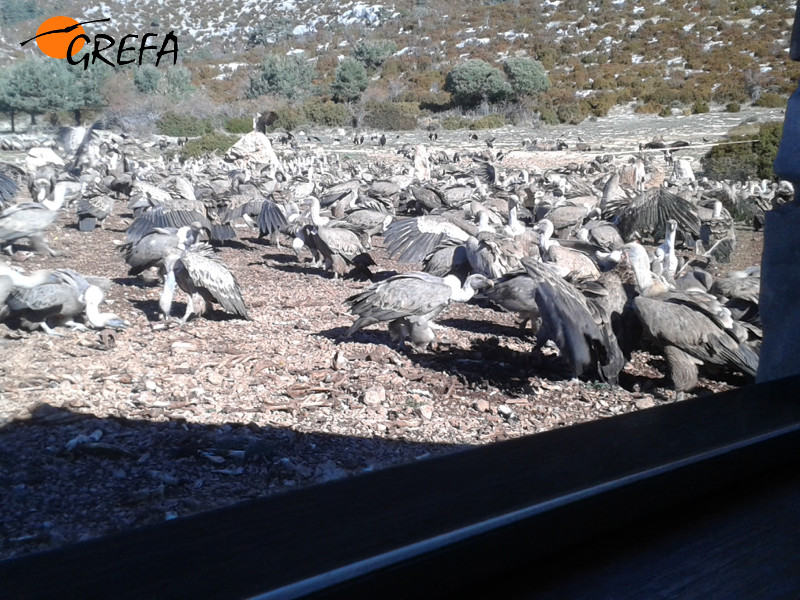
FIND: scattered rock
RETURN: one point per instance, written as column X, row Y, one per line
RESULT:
column 482, row 406
column 374, row 396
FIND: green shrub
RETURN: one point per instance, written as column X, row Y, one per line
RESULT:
column 287, row 76
column 326, row 114
column 769, row 136
column 648, row 108
column 184, row 125
column 373, row 54
column 733, row 107
column 700, row 107
column 453, row 123
column 526, row 76
column 600, row 104
column 770, row 100
column 489, row 122
column 571, row 113
column 206, row 144
column 745, row 161
column 391, row 116
column 146, row 79
column 432, row 101
column 350, row 81
column 288, row 118
column 548, row 115
column 474, row 81
column 239, row 125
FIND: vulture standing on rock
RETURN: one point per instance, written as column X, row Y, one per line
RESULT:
column 204, row 279
column 410, row 302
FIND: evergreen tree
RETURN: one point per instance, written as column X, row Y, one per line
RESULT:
column 373, row 54
column 474, row 81
column 350, row 80
column 287, row 76
column 526, row 76
column 146, row 79
column 37, row 86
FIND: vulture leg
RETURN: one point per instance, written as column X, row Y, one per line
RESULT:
column 46, row 328
column 75, row 326
column 189, row 309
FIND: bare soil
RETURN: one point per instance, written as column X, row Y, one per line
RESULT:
column 103, row 432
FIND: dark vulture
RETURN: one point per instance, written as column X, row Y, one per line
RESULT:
column 647, row 214
column 409, row 303
column 690, row 328
column 590, row 349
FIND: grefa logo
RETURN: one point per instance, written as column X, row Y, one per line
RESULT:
column 64, row 37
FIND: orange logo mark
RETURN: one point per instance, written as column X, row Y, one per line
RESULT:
column 55, row 34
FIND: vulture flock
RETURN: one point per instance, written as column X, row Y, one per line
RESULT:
column 598, row 263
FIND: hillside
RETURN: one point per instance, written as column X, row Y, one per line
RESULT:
column 663, row 53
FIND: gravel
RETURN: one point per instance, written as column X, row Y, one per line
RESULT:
column 101, row 433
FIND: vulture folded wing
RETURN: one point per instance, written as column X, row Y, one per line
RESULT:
column 695, row 334
column 209, row 274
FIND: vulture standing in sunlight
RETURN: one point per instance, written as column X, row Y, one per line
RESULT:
column 204, row 279
column 30, row 220
column 690, row 328
column 590, row 348
column 409, row 303
column 151, row 249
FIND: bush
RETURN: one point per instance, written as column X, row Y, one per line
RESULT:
column 392, row 116
column 474, row 81
column 769, row 136
column 146, row 79
column 373, row 54
column 599, row 105
column 178, row 82
column 206, row 144
column 648, row 108
column 286, row 76
column 770, row 100
column 745, row 161
column 733, row 107
column 350, row 81
column 239, row 125
column 288, row 118
column 489, row 122
column 700, row 107
column 326, row 114
column 571, row 113
column 184, row 125
column 526, row 76
column 453, row 123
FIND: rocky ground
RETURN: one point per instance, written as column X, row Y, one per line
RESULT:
column 105, row 432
